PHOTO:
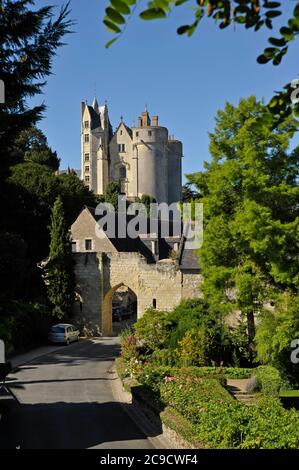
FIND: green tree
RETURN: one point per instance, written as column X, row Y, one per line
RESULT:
column 39, row 151
column 75, row 195
column 152, row 330
column 29, row 39
column 250, row 195
column 276, row 330
column 59, row 271
column 112, row 192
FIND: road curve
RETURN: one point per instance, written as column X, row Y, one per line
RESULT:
column 66, row 402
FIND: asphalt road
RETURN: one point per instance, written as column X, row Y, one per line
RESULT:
column 66, row 402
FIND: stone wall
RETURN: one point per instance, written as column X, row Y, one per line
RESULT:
column 87, row 308
column 99, row 275
column 192, row 283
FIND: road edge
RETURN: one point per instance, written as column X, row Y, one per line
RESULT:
column 135, row 412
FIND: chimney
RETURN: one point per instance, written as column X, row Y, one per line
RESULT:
column 140, row 122
column 155, row 121
column 146, row 121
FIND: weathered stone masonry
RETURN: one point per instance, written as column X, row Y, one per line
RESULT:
column 110, row 263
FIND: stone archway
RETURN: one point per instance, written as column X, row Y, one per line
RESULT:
column 107, row 322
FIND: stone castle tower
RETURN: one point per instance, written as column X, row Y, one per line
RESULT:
column 145, row 159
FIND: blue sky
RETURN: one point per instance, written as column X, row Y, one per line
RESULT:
column 185, row 81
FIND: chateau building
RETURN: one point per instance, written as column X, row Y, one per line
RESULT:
column 145, row 159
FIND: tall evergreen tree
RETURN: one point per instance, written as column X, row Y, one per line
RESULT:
column 250, row 196
column 60, row 274
column 29, row 40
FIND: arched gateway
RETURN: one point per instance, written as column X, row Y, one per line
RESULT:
column 159, row 272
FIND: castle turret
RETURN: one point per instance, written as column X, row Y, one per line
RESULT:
column 150, row 144
column 95, row 135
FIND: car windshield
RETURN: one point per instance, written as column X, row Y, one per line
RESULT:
column 57, row 329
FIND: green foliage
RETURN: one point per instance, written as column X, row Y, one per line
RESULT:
column 59, row 272
column 269, row 380
column 31, row 319
column 193, row 348
column 221, row 344
column 252, row 14
column 112, row 192
column 249, row 13
column 275, row 333
column 32, row 146
column 152, row 330
column 29, row 39
column 164, row 357
column 217, row 420
column 250, row 194
column 128, row 346
column 75, row 195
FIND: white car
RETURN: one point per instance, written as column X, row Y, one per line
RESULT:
column 64, row 333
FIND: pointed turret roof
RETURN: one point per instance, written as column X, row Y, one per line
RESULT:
column 95, row 105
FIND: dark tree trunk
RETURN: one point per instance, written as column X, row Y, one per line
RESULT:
column 251, row 334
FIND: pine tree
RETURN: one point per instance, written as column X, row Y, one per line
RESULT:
column 29, row 40
column 60, row 274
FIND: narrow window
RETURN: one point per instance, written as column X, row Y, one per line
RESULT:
column 74, row 247
column 137, row 134
column 86, row 138
column 87, row 169
column 122, row 172
column 87, row 179
column 87, row 157
column 88, row 245
column 154, row 303
column 149, row 133
column 86, row 124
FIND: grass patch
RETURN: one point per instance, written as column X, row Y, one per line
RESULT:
column 289, row 393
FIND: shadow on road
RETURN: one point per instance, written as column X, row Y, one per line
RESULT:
column 78, row 353
column 68, row 426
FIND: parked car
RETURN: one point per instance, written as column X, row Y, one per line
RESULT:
column 64, row 333
column 120, row 314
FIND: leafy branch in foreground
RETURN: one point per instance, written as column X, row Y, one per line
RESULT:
column 252, row 14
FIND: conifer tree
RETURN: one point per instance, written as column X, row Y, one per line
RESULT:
column 29, row 40
column 60, row 274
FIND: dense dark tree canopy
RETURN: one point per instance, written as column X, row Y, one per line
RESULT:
column 29, row 39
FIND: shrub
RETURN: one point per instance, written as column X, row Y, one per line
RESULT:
column 189, row 314
column 167, row 357
column 153, row 377
column 269, row 380
column 221, row 422
column 152, row 330
column 271, row 426
column 25, row 325
column 128, row 346
column 193, row 348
